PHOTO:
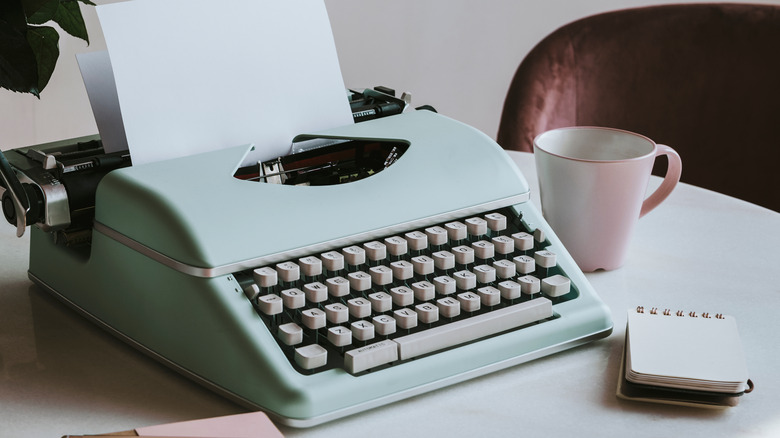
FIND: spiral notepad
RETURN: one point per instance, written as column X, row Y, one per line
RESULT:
column 686, row 352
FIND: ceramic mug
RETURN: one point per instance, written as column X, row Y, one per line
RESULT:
column 593, row 183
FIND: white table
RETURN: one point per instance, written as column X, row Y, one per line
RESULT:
column 698, row 251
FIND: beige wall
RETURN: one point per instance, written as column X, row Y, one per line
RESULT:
column 457, row 55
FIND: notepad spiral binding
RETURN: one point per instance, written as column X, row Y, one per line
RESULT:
column 668, row 312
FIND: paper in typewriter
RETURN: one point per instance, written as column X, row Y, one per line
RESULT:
column 99, row 81
column 194, row 76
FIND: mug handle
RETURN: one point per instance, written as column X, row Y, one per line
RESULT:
column 670, row 180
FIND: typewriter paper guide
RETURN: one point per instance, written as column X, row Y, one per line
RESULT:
column 196, row 77
column 99, row 81
column 216, row 220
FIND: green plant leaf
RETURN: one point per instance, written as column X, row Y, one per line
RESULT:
column 18, row 67
column 44, row 44
column 28, row 54
column 12, row 16
column 40, row 11
column 68, row 16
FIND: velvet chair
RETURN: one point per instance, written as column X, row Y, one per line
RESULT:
column 701, row 78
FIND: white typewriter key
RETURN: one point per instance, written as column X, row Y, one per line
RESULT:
column 385, row 325
column 463, row 254
column 375, row 250
column 456, row 230
column 402, row 296
column 332, row 260
column 381, row 275
column 427, row 313
column 359, row 281
column 529, row 284
column 316, row 292
column 340, row 336
column 370, row 356
column 524, row 264
column 476, row 226
column 509, row 289
column 485, row 274
column 539, row 235
column 503, row 244
column 380, row 302
column 252, row 291
column 310, row 266
column 313, row 318
column 337, row 286
column 417, row 240
column 465, row 280
column 311, row 356
column 405, row 318
column 436, row 235
column 362, row 330
column 545, row 259
column 523, row 241
column 354, row 255
column 489, row 295
column 293, row 298
column 484, row 249
column 288, row 271
column 496, row 221
column 424, row 290
column 469, row 301
column 359, row 307
column 505, row 269
column 402, row 270
column 336, row 313
column 265, row 276
column 270, row 304
column 396, row 245
column 445, row 285
column 290, row 333
column 556, row 285
column 423, row 265
column 448, row 307
column 443, row 260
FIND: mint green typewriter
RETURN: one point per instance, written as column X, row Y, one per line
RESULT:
column 399, row 256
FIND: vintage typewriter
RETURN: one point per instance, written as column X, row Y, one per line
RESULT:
column 397, row 256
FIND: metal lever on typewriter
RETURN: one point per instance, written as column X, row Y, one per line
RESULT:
column 17, row 207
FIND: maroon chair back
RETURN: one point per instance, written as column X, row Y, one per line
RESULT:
column 701, row 78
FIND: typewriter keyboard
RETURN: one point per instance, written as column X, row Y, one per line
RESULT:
column 393, row 299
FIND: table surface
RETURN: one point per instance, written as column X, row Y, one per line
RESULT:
column 699, row 251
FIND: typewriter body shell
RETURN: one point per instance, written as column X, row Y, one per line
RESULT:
column 168, row 237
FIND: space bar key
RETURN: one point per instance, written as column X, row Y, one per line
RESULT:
column 469, row 329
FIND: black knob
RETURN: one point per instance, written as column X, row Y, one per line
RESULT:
column 35, row 212
column 8, row 208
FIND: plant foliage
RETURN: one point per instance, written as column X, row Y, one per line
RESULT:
column 28, row 47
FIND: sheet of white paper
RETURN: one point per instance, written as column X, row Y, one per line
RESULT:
column 194, row 76
column 99, row 80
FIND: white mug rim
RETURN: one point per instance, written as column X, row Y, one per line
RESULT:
column 651, row 153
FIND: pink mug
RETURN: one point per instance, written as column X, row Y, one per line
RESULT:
column 593, row 182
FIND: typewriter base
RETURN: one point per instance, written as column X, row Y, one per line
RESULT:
column 236, row 356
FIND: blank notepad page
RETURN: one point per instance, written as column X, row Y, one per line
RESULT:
column 684, row 351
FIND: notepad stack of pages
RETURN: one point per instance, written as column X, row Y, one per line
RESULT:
column 683, row 358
